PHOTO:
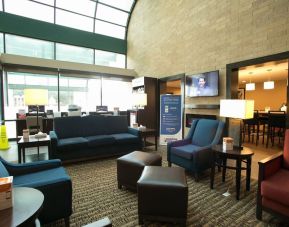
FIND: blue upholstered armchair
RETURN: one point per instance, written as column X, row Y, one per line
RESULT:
column 194, row 153
column 51, row 179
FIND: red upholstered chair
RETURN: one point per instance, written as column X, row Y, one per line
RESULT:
column 273, row 183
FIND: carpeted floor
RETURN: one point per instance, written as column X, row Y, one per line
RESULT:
column 95, row 195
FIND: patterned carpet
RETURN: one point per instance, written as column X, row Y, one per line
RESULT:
column 95, row 195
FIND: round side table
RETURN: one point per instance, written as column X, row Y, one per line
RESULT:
column 26, row 207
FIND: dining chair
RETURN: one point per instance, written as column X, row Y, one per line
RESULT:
column 251, row 128
column 276, row 126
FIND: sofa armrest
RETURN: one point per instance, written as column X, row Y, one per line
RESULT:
column 270, row 165
column 19, row 169
column 134, row 132
column 54, row 143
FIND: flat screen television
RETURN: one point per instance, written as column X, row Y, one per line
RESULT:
column 203, row 84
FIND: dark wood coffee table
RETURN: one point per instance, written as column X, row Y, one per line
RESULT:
column 27, row 205
column 238, row 154
column 32, row 142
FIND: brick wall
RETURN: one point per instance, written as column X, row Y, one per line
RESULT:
column 168, row 37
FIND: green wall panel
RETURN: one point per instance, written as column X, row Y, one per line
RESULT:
column 27, row 27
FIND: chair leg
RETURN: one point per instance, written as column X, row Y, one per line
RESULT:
column 169, row 164
column 259, row 212
column 67, row 222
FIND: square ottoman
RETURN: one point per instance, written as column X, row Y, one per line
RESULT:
column 130, row 167
column 163, row 195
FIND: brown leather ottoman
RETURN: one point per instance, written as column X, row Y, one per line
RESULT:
column 130, row 167
column 163, row 195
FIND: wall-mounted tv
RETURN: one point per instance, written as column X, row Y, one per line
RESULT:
column 203, row 84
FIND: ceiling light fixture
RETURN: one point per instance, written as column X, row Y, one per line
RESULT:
column 250, row 86
column 269, row 84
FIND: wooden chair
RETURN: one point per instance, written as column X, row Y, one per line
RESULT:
column 276, row 126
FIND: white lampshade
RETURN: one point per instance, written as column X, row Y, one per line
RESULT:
column 269, row 85
column 237, row 108
column 139, row 99
column 36, row 96
column 250, row 87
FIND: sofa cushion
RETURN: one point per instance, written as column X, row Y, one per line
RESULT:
column 270, row 188
column 41, row 178
column 205, row 132
column 115, row 124
column 186, row 151
column 93, row 125
column 3, row 170
column 125, row 138
column 67, row 127
column 100, row 140
column 74, row 143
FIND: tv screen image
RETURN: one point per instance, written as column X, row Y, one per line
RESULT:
column 203, row 84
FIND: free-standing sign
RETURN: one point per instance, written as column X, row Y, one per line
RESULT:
column 170, row 118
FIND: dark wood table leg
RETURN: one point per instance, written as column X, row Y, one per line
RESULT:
column 19, row 153
column 213, row 170
column 224, row 169
column 23, row 153
column 238, row 177
column 145, row 140
column 248, row 173
column 156, row 142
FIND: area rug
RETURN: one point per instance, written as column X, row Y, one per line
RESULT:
column 95, row 196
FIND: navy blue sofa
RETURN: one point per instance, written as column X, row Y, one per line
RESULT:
column 51, row 179
column 194, row 152
column 76, row 138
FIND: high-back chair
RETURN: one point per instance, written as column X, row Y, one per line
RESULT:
column 194, row 152
column 251, row 128
column 273, row 183
column 276, row 126
column 51, row 179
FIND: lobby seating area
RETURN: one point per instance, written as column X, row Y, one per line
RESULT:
column 144, row 113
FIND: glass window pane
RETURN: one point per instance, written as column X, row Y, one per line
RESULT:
column 84, row 92
column 112, row 15
column 1, row 43
column 30, row 9
column 109, row 29
column 85, row 7
column 17, row 82
column 74, row 21
column 48, row 2
column 1, row 6
column 109, row 59
column 74, row 54
column 116, row 93
column 123, row 4
column 29, row 47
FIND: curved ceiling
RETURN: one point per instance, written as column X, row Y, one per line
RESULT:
column 105, row 17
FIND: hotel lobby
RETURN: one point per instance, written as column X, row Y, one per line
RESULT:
column 144, row 113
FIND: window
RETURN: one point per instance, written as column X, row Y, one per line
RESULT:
column 116, row 93
column 108, row 29
column 124, row 4
column 112, row 15
column 1, row 43
column 74, row 20
column 85, row 7
column 74, row 54
column 30, row 9
column 109, row 59
column 29, row 47
column 14, row 97
column 48, row 2
column 1, row 6
column 84, row 92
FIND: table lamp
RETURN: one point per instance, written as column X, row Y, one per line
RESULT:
column 36, row 97
column 139, row 101
column 237, row 109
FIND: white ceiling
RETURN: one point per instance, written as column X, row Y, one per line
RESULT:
column 277, row 70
